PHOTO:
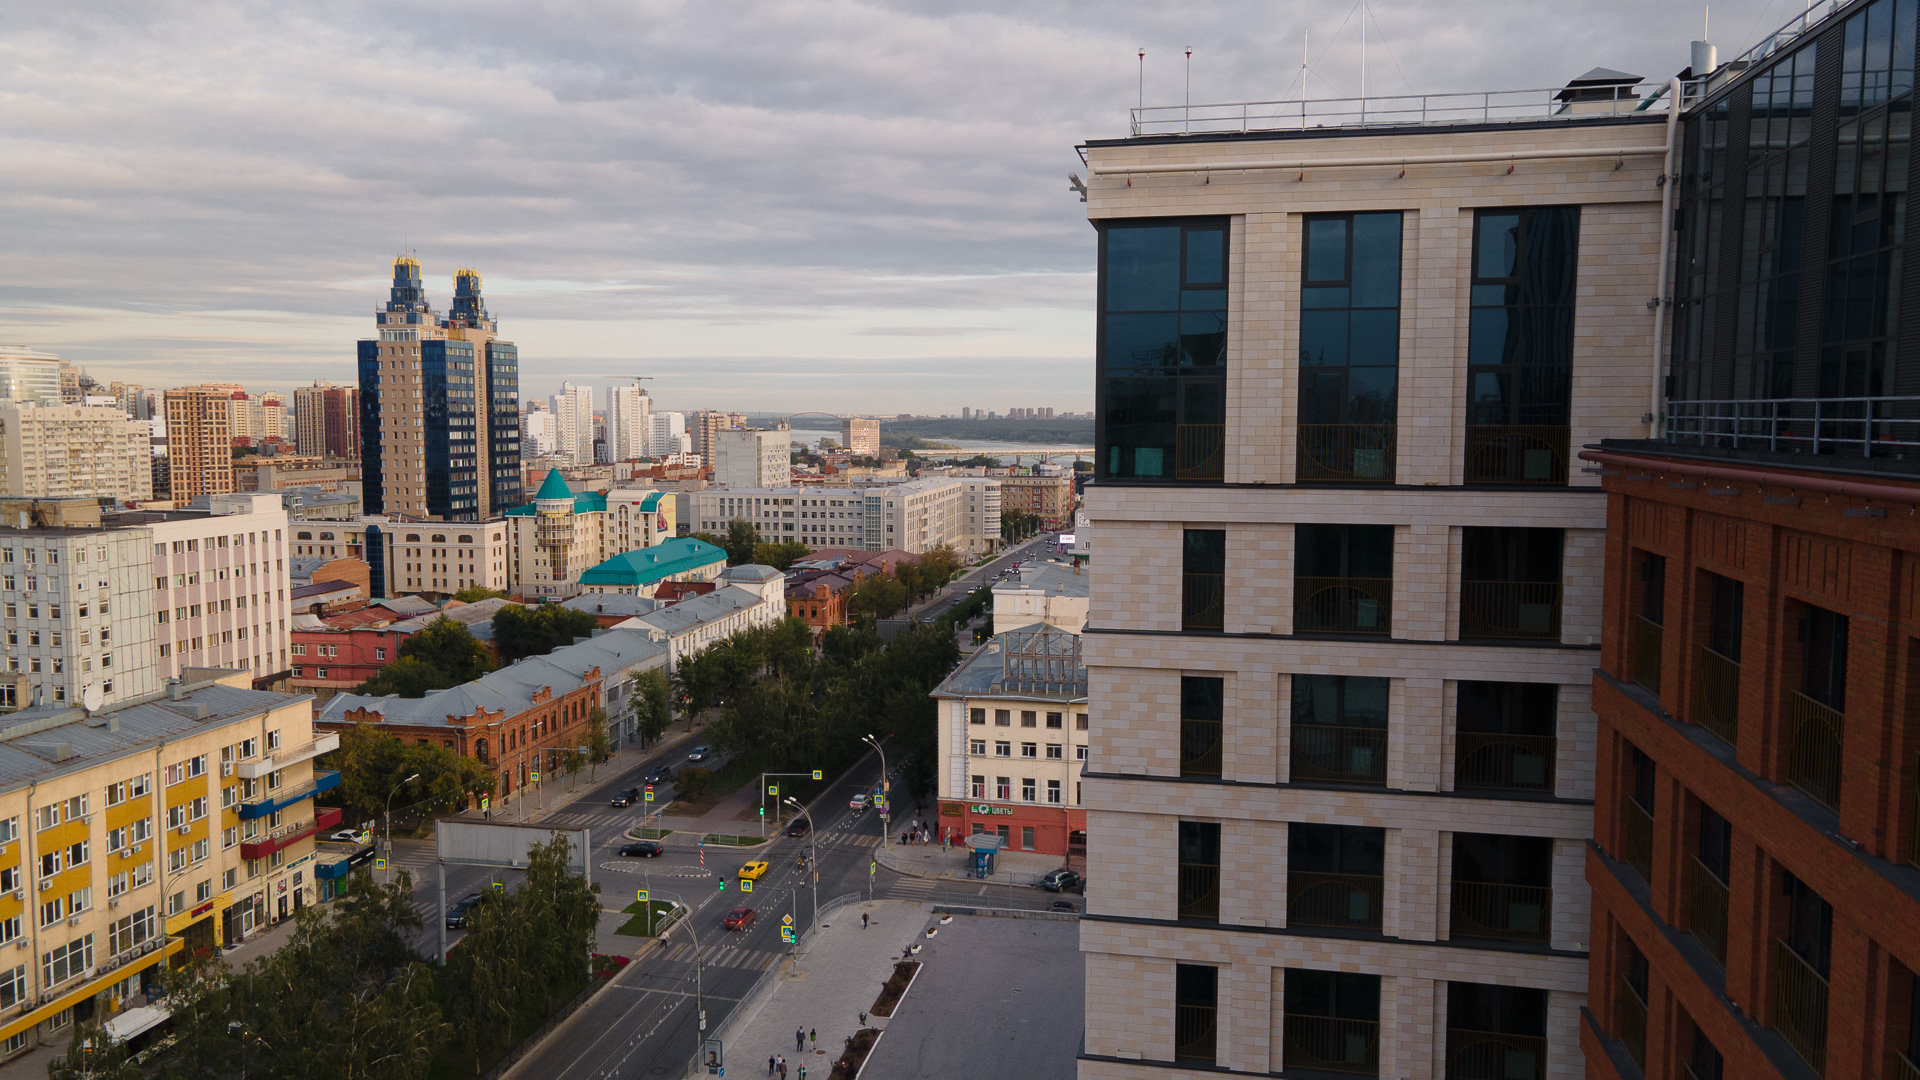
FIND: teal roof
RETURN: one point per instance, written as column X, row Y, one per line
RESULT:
column 648, row 566
column 650, row 504
column 587, row 502
column 554, row 487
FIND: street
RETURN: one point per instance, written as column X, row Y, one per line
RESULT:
column 1034, row 547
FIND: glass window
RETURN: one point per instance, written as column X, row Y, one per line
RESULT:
column 1520, row 344
column 1349, row 347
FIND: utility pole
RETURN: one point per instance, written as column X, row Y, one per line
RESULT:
column 813, row 866
column 886, row 788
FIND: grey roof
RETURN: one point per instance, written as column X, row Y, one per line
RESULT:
column 1030, row 664
column 621, row 604
column 687, row 615
column 406, row 606
column 304, row 565
column 750, row 572
column 1054, row 579
column 321, row 588
column 480, row 611
column 40, row 743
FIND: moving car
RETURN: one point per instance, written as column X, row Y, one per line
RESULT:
column 642, row 849
column 626, row 796
column 738, row 919
column 1061, row 880
column 660, row 775
column 346, row 836
column 753, row 870
column 1063, row 905
column 799, row 827
column 700, row 753
column 858, row 802
column 457, row 914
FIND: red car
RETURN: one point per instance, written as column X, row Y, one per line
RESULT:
column 739, row 918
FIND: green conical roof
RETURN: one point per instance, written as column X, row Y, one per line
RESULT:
column 554, row 487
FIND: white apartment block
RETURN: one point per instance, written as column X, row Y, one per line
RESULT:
column 751, row 458
column 538, row 432
column 69, row 451
column 219, row 581
column 29, row 375
column 1347, row 595
column 573, row 423
column 667, row 435
column 78, row 608
column 914, row 516
column 629, row 422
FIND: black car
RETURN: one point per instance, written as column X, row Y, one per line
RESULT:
column 1062, row 880
column 457, row 914
column 642, row 849
column 1063, row 905
column 799, row 827
column 626, row 797
column 660, row 775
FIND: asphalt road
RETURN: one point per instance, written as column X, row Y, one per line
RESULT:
column 1032, row 548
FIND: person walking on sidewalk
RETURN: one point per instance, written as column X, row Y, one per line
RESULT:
column 863, row 920
column 799, row 1039
column 770, row 1064
column 813, row 1035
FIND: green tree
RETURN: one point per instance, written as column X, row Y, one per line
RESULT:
column 696, row 682
column 372, row 762
column 599, row 744
column 444, row 653
column 473, row 594
column 1018, row 525
column 692, row 782
column 520, row 632
column 90, row 1056
column 651, row 710
column 876, row 596
column 408, row 677
column 780, row 555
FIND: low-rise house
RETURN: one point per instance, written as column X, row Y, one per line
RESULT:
column 1050, row 593
column 751, row 595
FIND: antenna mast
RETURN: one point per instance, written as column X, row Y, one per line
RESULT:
column 1187, row 115
column 1143, row 78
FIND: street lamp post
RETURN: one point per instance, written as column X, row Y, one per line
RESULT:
column 699, row 1003
column 886, row 789
column 386, row 817
column 813, row 863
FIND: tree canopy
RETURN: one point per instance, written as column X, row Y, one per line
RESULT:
column 445, row 653
column 372, row 763
column 780, row 555
column 738, row 543
column 473, row 594
column 520, row 632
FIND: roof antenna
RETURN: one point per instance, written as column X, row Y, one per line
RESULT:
column 1143, row 78
column 1188, row 114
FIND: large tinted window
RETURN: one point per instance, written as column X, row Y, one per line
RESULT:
column 1349, row 346
column 1520, row 333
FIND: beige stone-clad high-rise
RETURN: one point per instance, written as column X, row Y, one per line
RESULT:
column 1346, row 604
column 199, row 441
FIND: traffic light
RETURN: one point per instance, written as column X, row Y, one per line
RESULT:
column 721, row 885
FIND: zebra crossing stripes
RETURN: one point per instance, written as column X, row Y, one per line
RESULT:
column 748, row 959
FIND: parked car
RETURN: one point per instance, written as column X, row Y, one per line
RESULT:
column 799, row 827
column 642, row 849
column 1063, row 905
column 626, row 796
column 660, row 775
column 700, row 753
column 1061, row 880
column 858, row 802
column 753, row 870
column 738, row 919
column 457, row 914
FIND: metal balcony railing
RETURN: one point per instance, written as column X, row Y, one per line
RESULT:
column 1199, row 891
column 1644, row 638
column 1492, row 1055
column 1486, row 909
column 1193, row 1032
column 1200, row 748
column 285, row 756
column 1913, row 815
column 1510, row 610
column 1636, row 839
column 1346, row 453
column 1630, row 1021
column 1901, row 1067
column 1800, row 1005
column 1516, row 454
column 1887, row 427
column 1556, row 103
column 324, row 818
column 275, row 801
column 1203, row 601
column 1200, row 452
column 1707, row 897
column 1814, row 737
column 1331, row 1044
column 1716, row 694
column 1340, row 754
column 1342, row 605
column 1345, row 901
column 1504, row 762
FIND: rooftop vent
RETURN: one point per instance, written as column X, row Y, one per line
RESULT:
column 1601, row 90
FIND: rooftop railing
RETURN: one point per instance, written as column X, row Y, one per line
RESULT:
column 1402, row 110
column 1867, row 426
column 1789, row 32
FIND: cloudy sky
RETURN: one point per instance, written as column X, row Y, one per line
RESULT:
column 792, row 204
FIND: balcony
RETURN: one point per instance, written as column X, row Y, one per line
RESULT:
column 1913, row 815
column 1199, row 748
column 1636, row 839
column 1516, row 454
column 1800, row 1005
column 1203, row 602
column 1901, row 1067
column 1193, row 1032
column 1644, row 637
column 1501, row 762
column 1334, row 605
column 1486, row 909
column 1331, row 1044
column 285, row 797
column 1342, row 901
column 1706, row 899
column 1716, row 694
column 1200, row 452
column 1510, row 610
column 280, row 759
column 1340, row 754
column 1491, row 1055
column 1630, row 1021
column 1345, row 453
column 1199, row 891
column 324, row 818
column 1814, row 735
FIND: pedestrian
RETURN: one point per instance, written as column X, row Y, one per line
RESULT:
column 814, row 1034
column 770, row 1064
column 863, row 1019
column 863, row 920
column 799, row 1039
column 783, row 1069
column 803, row 1072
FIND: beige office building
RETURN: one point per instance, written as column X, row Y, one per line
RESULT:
column 199, row 442
column 862, row 437
column 1346, row 603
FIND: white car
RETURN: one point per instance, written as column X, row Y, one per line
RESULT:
column 346, row 836
column 700, row 753
column 858, row 802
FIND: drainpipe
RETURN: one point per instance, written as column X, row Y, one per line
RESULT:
column 1668, row 181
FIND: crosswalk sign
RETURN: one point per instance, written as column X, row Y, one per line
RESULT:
column 816, row 774
column 380, row 863
column 773, row 789
column 485, row 803
column 649, row 794
column 746, row 884
column 786, row 934
column 536, row 776
column 640, row 896
column 365, row 837
column 499, row 886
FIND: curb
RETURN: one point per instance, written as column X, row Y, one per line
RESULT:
column 910, row 872
column 875, row 1045
column 1005, row 913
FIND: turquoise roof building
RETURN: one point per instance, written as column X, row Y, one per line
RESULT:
column 639, row 573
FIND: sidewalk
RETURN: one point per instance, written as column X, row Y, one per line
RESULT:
column 826, row 989
column 562, row 792
column 955, row 864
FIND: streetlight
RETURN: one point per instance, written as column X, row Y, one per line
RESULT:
column 699, row 1005
column 386, row 818
column 886, row 789
column 813, row 861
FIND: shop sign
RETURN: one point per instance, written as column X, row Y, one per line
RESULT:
column 985, row 809
column 201, row 910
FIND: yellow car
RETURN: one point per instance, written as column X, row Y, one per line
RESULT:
column 752, row 871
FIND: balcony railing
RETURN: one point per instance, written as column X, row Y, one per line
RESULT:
column 1636, row 839
column 280, row 759
column 1504, row 762
column 1716, row 694
column 1485, row 909
column 1886, row 427
column 1800, row 1005
column 1707, row 898
column 1814, row 737
column 1331, row 1044
column 1346, row 453
column 1465, row 107
column 1510, row 610
column 1200, row 452
column 1203, row 602
column 1199, row 748
column 1901, row 1067
column 1193, row 1032
column 1342, row 605
column 1630, row 1021
column 273, row 802
column 1644, row 637
column 324, row 818
column 1341, row 754
column 1344, row 901
column 1913, row 815
column 1199, row 891
column 1516, row 454
column 1490, row 1055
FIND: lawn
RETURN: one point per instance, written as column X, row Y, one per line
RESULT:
column 648, row 919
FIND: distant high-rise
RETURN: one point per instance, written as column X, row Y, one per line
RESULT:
column 26, row 375
column 573, row 423
column 704, row 425
column 537, row 430
column 753, row 458
column 327, row 420
column 860, row 436
column 199, row 442
column 667, row 434
column 55, row 451
column 629, row 422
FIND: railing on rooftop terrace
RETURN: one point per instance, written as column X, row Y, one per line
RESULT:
column 1470, row 107
column 1886, row 427
column 1788, row 33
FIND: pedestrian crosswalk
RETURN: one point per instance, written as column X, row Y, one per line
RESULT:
column 726, row 957
column 910, row 888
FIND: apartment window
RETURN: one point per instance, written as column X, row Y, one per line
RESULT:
column 1003, row 788
column 1203, row 582
column 1349, row 347
column 1510, row 583
column 979, row 786
column 977, row 716
column 1054, row 720
column 1497, row 1031
column 1028, row 718
column 1816, row 713
column 1029, row 750
column 1202, row 708
column 1199, row 870
column 1080, row 752
column 1520, row 345
column 1343, row 579
column 1636, row 814
column 1162, row 351
column 1002, row 749
column 1502, row 887
column 1705, row 1063
column 1053, row 792
column 1053, row 752
column 1002, row 717
column 1507, row 736
column 1027, row 789
column 977, row 747
column 1801, row 960
column 1334, row 875
column 1339, row 729
column 1332, row 1021
column 66, row 961
column 1706, row 877
column 1196, row 990
column 1716, row 687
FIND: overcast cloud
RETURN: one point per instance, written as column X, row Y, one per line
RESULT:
column 794, row 204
